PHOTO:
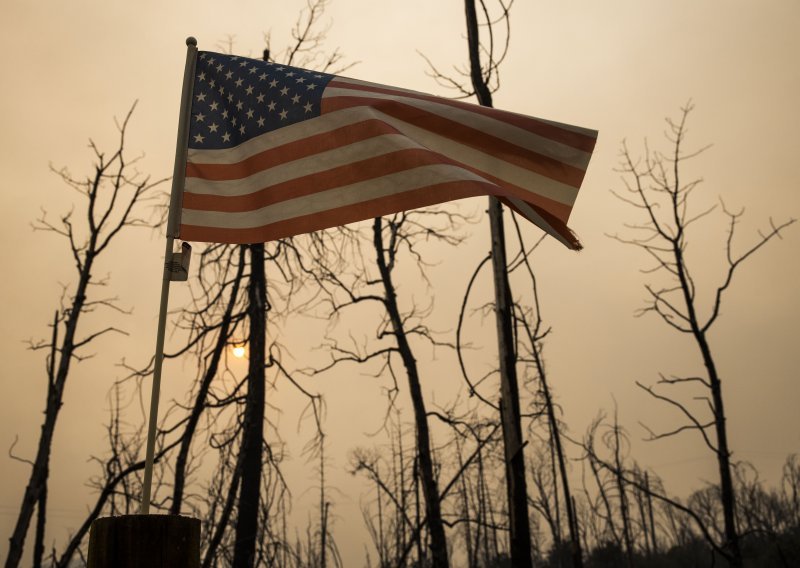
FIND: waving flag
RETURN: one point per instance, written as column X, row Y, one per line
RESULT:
column 276, row 151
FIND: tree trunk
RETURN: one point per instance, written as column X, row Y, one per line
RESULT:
column 429, row 488
column 555, row 434
column 516, row 484
column 723, row 458
column 519, row 524
column 253, row 427
column 57, row 379
column 202, row 393
column 731, row 545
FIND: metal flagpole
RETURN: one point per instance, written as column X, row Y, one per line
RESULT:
column 172, row 261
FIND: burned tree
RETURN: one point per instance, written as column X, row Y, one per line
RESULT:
column 111, row 199
column 655, row 186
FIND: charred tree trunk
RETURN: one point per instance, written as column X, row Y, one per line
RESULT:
column 519, row 523
column 41, row 521
column 253, row 428
column 429, row 488
column 202, row 392
column 555, row 434
column 57, row 378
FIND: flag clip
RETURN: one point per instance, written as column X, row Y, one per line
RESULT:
column 178, row 265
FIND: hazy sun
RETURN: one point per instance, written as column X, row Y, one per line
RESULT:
column 238, row 351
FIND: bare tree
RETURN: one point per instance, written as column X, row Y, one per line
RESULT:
column 111, row 198
column 390, row 236
column 655, row 187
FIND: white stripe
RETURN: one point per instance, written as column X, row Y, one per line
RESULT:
column 509, row 173
column 275, row 138
column 343, row 196
column 532, row 216
column 315, row 163
column 508, row 132
column 563, row 125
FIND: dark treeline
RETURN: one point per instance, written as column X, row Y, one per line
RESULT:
column 435, row 481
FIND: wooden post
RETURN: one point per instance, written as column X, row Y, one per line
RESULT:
column 136, row 541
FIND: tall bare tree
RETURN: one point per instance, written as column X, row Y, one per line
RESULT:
column 110, row 203
column 655, row 186
column 516, row 483
column 390, row 236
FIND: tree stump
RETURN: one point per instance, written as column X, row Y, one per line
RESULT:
column 145, row 541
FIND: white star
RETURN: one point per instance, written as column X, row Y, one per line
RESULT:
column 281, row 68
column 253, row 70
column 200, row 117
column 213, row 127
column 260, row 121
column 249, row 90
column 307, row 107
column 233, row 121
column 199, row 138
column 283, row 115
column 241, row 129
column 311, row 86
column 301, row 80
column 201, row 97
column 230, row 97
column 211, row 61
column 260, row 98
column 224, row 114
column 296, row 99
column 202, row 76
column 214, row 105
column 203, row 55
column 221, row 90
column 226, row 137
column 249, row 113
column 290, row 74
column 239, row 82
column 229, row 75
column 243, row 64
column 271, row 105
column 318, row 76
column 219, row 67
column 273, row 83
column 262, row 76
column 212, row 83
column 285, row 91
column 239, row 105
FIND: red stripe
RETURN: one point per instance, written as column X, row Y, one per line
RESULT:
column 559, row 226
column 309, row 146
column 355, row 172
column 496, row 147
column 429, row 195
column 576, row 140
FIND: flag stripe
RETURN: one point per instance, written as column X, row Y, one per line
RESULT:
column 342, row 142
column 275, row 186
column 579, row 138
column 483, row 123
column 468, row 136
column 517, row 178
column 360, row 192
column 430, row 194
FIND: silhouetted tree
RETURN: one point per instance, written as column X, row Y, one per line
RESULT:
column 111, row 199
column 656, row 187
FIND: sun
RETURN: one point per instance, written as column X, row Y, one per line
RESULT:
column 239, row 351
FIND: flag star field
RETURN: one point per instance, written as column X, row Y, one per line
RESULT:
column 236, row 99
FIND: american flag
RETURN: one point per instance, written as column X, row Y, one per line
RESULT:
column 276, row 151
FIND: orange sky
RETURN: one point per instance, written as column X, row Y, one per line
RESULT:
column 617, row 66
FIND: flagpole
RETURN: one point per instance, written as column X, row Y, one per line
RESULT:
column 173, row 226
